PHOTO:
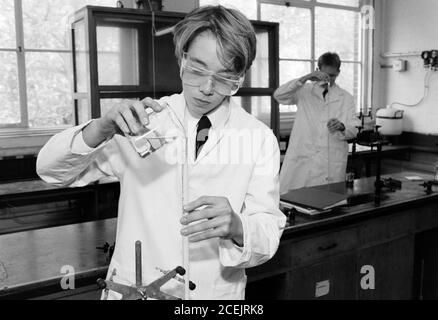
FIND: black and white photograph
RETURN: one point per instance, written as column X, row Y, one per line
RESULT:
column 222, row 155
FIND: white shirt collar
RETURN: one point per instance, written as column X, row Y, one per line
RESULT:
column 217, row 117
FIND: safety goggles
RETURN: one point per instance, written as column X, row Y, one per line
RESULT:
column 197, row 76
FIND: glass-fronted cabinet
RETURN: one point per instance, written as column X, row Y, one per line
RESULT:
column 123, row 54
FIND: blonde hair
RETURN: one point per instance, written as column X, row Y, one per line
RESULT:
column 237, row 42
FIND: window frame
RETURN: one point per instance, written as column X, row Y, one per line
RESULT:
column 22, row 128
column 19, row 138
column 21, row 66
column 21, row 51
column 366, row 53
column 364, row 62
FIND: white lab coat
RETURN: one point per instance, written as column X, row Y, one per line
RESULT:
column 314, row 156
column 151, row 200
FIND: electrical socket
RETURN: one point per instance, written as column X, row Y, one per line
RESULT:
column 400, row 65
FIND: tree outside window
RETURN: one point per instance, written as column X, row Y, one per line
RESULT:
column 35, row 62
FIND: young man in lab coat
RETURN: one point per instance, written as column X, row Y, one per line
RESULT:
column 233, row 219
column 325, row 120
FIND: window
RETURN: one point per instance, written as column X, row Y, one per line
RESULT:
column 295, row 41
column 318, row 27
column 262, row 79
column 35, row 62
column 309, row 28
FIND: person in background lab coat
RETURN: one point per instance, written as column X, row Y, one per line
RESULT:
column 325, row 120
column 233, row 220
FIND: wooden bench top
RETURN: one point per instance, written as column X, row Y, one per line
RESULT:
column 32, row 186
column 35, row 258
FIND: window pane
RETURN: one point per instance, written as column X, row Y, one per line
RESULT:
column 350, row 79
column 290, row 70
column 49, row 85
column 46, row 23
column 81, row 57
column 117, row 56
column 9, row 92
column 351, row 3
column 107, row 104
column 338, row 31
column 295, row 29
column 7, row 24
column 260, row 107
column 83, row 111
column 258, row 75
column 247, row 7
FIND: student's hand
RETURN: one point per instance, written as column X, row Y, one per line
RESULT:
column 127, row 117
column 335, row 125
column 316, row 76
column 214, row 218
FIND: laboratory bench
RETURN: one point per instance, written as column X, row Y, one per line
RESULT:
column 356, row 252
column 29, row 204
column 328, row 257
column 32, row 263
column 364, row 159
